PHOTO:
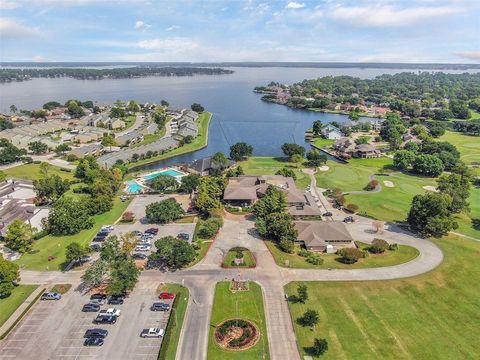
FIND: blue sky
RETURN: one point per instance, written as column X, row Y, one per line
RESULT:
column 242, row 30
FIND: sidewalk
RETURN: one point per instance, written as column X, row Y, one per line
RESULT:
column 13, row 318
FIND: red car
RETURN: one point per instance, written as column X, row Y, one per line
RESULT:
column 153, row 231
column 166, row 295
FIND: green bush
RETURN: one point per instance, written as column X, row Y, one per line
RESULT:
column 208, row 228
column 349, row 255
column 315, row 259
column 378, row 246
column 393, row 247
column 303, row 252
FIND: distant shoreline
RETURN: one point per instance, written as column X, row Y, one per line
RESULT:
column 366, row 65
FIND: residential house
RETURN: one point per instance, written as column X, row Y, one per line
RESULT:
column 323, row 235
column 87, row 150
column 331, row 132
column 205, row 165
column 366, row 151
column 131, row 137
column 246, row 190
column 149, row 129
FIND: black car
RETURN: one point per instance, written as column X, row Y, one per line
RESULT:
column 98, row 296
column 328, row 213
column 91, row 308
column 160, row 307
column 108, row 319
column 99, row 238
column 115, row 300
column 96, row 247
column 93, row 341
column 183, row 236
column 98, row 333
column 139, row 256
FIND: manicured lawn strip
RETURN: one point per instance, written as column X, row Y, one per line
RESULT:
column 248, row 259
column 467, row 145
column 200, row 142
column 431, row 316
column 466, row 221
column 265, row 165
column 402, row 255
column 169, row 346
column 51, row 245
column 10, row 304
column 321, row 142
column 250, row 307
column 32, row 172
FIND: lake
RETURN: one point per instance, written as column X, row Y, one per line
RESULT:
column 238, row 112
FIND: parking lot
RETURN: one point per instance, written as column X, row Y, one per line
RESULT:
column 55, row 329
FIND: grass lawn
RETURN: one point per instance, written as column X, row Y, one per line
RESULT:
column 61, row 288
column 55, row 246
column 431, row 316
column 248, row 259
column 391, row 204
column 352, row 176
column 402, row 255
column 200, row 141
column 321, row 142
column 32, row 172
column 466, row 222
column 10, row 304
column 270, row 165
column 467, row 145
column 172, row 333
column 250, row 307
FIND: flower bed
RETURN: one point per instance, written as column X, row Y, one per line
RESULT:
column 236, row 334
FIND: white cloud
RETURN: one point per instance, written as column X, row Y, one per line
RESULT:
column 295, row 5
column 139, row 24
column 8, row 5
column 169, row 44
column 12, row 29
column 389, row 16
column 173, row 27
column 469, row 55
column 39, row 58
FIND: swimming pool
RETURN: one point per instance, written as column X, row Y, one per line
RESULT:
column 169, row 172
column 133, row 187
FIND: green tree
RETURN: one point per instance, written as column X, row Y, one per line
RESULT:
column 164, row 211
column 116, row 112
column 458, row 187
column 5, row 124
column 349, row 255
column 69, row 216
column 75, row 252
column 62, row 149
column 208, row 228
column 44, row 168
column 302, row 293
column 315, row 159
column 37, row 147
column 190, row 183
column 411, row 146
column 240, row 151
column 430, row 214
column 403, row 159
column 320, row 346
column 290, row 149
column 133, row 106
column 95, row 273
column 111, row 251
column 9, row 274
column 13, row 109
column 287, row 172
column 309, row 318
column 378, row 246
column 51, row 105
column 123, row 277
column 50, row 189
column 74, row 109
column 174, row 253
column 219, row 161
column 274, row 201
column 19, row 236
column 197, row 108
column 164, row 183
column 428, row 165
column 317, row 127
column 108, row 140
column 297, row 159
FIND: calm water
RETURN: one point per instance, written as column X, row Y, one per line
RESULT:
column 238, row 113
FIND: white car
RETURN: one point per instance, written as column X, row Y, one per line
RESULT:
column 142, row 248
column 145, row 242
column 110, row 312
column 152, row 332
column 107, row 227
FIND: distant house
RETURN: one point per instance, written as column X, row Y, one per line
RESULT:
column 346, row 148
column 115, row 124
column 205, row 165
column 87, row 150
column 129, row 138
column 323, row 235
column 246, row 190
column 366, row 151
column 149, row 129
column 331, row 132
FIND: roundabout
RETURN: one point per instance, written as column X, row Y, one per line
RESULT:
column 236, row 334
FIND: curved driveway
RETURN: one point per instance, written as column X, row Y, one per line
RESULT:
column 237, row 231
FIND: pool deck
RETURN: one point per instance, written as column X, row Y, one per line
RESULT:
column 141, row 180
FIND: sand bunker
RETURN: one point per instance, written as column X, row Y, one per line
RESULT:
column 388, row 183
column 430, row 188
column 324, row 168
